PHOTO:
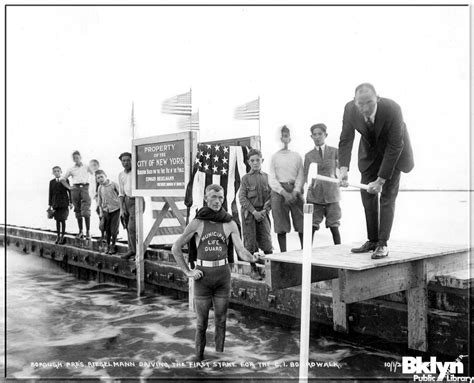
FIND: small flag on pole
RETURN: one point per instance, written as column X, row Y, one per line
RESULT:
column 189, row 123
column 248, row 111
column 180, row 104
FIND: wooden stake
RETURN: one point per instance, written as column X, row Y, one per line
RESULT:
column 306, row 291
column 140, row 255
column 191, row 294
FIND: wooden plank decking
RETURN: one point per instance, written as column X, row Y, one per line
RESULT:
column 356, row 277
column 340, row 257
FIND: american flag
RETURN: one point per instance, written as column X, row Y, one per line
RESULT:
column 189, row 123
column 248, row 111
column 217, row 164
column 180, row 104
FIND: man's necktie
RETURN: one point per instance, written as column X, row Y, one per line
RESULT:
column 369, row 124
column 371, row 129
column 320, row 152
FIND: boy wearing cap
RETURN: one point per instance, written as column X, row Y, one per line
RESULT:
column 109, row 205
column 59, row 202
column 286, row 180
column 324, row 196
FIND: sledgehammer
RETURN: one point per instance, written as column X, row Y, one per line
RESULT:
column 313, row 174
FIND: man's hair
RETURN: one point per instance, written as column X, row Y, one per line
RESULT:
column 284, row 129
column 95, row 162
column 254, row 152
column 125, row 154
column 365, row 85
column 57, row 167
column 100, row 171
column 214, row 187
column 76, row 153
column 319, row 126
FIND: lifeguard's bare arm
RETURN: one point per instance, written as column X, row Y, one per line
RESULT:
column 177, row 248
column 239, row 246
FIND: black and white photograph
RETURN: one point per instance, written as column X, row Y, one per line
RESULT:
column 233, row 192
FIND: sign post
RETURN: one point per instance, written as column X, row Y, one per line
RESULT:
column 161, row 167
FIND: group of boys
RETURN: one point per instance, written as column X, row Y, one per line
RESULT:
column 281, row 192
column 81, row 184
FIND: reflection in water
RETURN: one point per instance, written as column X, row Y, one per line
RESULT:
column 56, row 319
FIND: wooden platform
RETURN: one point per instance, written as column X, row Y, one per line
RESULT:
column 356, row 277
column 340, row 257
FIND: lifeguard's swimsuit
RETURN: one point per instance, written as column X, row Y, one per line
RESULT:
column 212, row 246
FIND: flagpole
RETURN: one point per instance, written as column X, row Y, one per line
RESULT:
column 133, row 120
column 259, row 119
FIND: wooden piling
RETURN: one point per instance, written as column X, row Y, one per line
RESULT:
column 306, row 291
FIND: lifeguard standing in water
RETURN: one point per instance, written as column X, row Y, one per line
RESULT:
column 211, row 236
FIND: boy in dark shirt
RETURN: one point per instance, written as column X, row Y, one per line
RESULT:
column 109, row 205
column 255, row 199
column 59, row 202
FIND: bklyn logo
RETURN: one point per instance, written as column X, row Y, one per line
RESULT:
column 415, row 365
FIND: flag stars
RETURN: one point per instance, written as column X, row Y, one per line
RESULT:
column 214, row 169
column 224, row 171
column 224, row 160
column 217, row 147
column 206, row 166
column 216, row 158
column 209, row 146
column 207, row 156
column 226, row 149
column 197, row 161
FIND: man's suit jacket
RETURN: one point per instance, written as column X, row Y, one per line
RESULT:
column 59, row 195
column 322, row 192
column 389, row 148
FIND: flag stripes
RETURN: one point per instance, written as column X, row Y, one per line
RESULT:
column 248, row 111
column 180, row 104
column 189, row 123
column 219, row 164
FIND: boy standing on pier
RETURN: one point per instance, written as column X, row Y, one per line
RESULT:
column 214, row 234
column 286, row 180
column 324, row 196
column 59, row 201
column 109, row 205
column 81, row 199
column 254, row 197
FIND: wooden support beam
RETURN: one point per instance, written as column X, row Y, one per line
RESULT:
column 156, row 225
column 339, row 309
column 446, row 264
column 356, row 286
column 417, row 309
column 280, row 275
column 177, row 212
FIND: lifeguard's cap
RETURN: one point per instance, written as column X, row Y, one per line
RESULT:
column 125, row 154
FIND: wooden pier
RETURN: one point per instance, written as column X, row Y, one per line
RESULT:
column 356, row 277
column 382, row 320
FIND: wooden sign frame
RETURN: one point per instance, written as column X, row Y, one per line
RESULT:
column 190, row 142
column 168, row 196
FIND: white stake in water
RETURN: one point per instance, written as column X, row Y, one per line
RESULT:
column 306, row 277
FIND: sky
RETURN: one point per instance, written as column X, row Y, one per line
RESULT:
column 73, row 73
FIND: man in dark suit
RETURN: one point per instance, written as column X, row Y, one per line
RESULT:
column 384, row 152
